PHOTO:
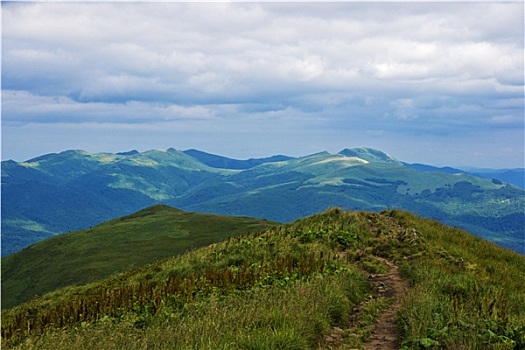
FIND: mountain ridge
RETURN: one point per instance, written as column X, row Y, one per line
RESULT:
column 323, row 281
column 217, row 161
column 369, row 154
column 76, row 258
column 72, row 190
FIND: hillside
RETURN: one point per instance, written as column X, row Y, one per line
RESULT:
column 512, row 176
column 216, row 161
column 72, row 190
column 80, row 257
column 338, row 280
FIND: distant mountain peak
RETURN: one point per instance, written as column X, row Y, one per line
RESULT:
column 221, row 162
column 128, row 153
column 369, row 154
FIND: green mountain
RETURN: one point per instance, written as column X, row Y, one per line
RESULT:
column 512, row 176
column 216, row 161
column 72, row 190
column 334, row 280
column 80, row 257
column 369, row 154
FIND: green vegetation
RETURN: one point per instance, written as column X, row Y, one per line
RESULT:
column 80, row 257
column 73, row 190
column 288, row 288
column 465, row 294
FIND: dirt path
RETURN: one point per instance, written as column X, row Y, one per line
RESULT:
column 383, row 331
column 389, row 285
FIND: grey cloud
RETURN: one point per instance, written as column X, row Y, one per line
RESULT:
column 410, row 68
column 189, row 41
column 22, row 107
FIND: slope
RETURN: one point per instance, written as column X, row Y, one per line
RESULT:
column 72, row 190
column 512, row 176
column 216, row 161
column 80, row 257
column 286, row 190
column 311, row 284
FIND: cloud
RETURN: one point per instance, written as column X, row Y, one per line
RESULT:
column 411, row 68
column 167, row 46
column 22, row 107
column 507, row 120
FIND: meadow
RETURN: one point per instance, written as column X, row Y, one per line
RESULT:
column 290, row 287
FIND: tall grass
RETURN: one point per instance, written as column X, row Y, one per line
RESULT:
column 150, row 294
column 77, row 258
column 293, row 317
column 466, row 293
column 287, row 287
column 271, row 260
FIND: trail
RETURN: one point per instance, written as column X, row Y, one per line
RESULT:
column 389, row 285
column 383, row 331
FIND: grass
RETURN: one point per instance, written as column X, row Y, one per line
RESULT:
column 85, row 256
column 465, row 294
column 292, row 317
column 288, row 287
column 290, row 276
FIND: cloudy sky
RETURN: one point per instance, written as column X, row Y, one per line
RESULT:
column 437, row 83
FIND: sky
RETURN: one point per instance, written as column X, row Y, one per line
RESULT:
column 434, row 83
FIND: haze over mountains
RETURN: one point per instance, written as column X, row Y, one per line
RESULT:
column 73, row 190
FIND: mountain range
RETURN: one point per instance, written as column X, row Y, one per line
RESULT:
column 72, row 190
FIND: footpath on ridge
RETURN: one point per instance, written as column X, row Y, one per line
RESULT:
column 389, row 285
column 383, row 333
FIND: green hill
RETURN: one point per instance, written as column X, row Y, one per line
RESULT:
column 216, row 161
column 72, row 190
column 321, row 282
column 80, row 257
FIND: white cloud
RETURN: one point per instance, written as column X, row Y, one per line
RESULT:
column 245, row 43
column 507, row 119
column 332, row 65
column 23, row 107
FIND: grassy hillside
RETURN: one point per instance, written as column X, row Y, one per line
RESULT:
column 84, row 256
column 305, row 285
column 69, row 191
column 492, row 210
column 63, row 192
